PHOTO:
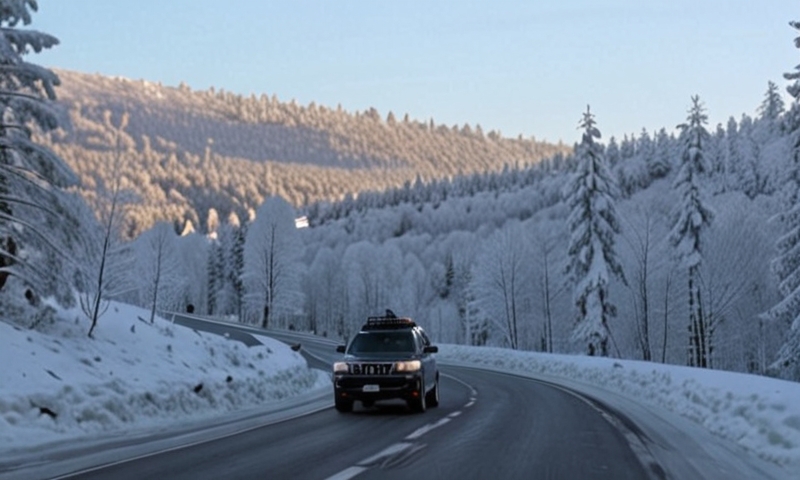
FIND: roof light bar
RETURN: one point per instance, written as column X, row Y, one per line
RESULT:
column 384, row 322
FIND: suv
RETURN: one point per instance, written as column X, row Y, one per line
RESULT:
column 390, row 357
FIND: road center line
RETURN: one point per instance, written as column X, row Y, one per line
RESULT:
column 348, row 473
column 364, row 465
column 427, row 428
column 388, row 451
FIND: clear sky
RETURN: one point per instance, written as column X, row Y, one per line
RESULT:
column 522, row 67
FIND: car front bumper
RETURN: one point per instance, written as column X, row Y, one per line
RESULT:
column 367, row 387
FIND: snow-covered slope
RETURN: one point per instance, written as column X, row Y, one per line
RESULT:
column 57, row 384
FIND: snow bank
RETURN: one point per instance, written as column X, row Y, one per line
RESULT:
column 759, row 413
column 57, row 384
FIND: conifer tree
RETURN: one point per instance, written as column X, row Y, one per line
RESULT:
column 214, row 268
column 772, row 107
column 662, row 155
column 592, row 223
column 237, row 268
column 612, row 152
column 36, row 225
column 693, row 217
column 787, row 264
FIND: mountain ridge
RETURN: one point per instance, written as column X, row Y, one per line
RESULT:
column 188, row 151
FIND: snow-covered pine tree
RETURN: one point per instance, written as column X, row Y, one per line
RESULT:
column 645, row 149
column 749, row 177
column 215, row 272
column 222, row 271
column 662, row 155
column 237, row 265
column 787, row 264
column 612, row 152
column 627, row 147
column 733, row 156
column 693, row 216
column 592, row 223
column 771, row 108
column 36, row 227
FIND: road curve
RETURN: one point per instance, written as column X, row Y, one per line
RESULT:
column 488, row 425
column 496, row 426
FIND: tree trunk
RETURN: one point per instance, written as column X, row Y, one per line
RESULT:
column 265, row 318
column 666, row 318
column 693, row 339
column 156, row 282
column 548, row 314
column 702, row 334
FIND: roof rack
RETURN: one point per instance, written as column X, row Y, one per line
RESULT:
column 376, row 323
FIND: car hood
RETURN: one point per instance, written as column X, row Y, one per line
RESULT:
column 381, row 357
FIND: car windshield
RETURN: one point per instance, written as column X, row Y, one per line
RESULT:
column 375, row 342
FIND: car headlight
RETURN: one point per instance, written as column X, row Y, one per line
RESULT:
column 407, row 366
column 340, row 367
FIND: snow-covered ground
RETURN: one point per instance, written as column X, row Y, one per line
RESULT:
column 761, row 414
column 57, row 384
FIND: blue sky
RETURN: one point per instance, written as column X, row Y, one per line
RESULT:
column 521, row 67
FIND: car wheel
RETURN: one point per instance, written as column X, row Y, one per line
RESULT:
column 343, row 406
column 432, row 397
column 419, row 404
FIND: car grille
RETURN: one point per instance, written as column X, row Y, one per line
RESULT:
column 386, row 383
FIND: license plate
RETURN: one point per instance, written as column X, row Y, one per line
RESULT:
column 372, row 388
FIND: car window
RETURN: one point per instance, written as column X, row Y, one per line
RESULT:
column 426, row 341
column 374, row 342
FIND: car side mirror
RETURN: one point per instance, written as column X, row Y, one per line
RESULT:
column 431, row 349
column 340, row 348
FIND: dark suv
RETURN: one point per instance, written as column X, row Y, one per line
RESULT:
column 390, row 357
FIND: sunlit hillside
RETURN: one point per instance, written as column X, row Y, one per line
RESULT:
column 185, row 152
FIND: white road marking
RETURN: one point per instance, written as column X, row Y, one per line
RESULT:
column 472, row 390
column 427, row 428
column 348, row 473
column 388, row 451
column 364, row 465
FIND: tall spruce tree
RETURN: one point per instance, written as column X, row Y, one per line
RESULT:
column 692, row 218
column 593, row 223
column 37, row 229
column 772, row 107
column 787, row 264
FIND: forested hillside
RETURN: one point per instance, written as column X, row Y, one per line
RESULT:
column 479, row 257
column 186, row 152
column 482, row 259
column 678, row 247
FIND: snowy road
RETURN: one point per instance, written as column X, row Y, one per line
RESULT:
column 492, row 425
column 489, row 425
